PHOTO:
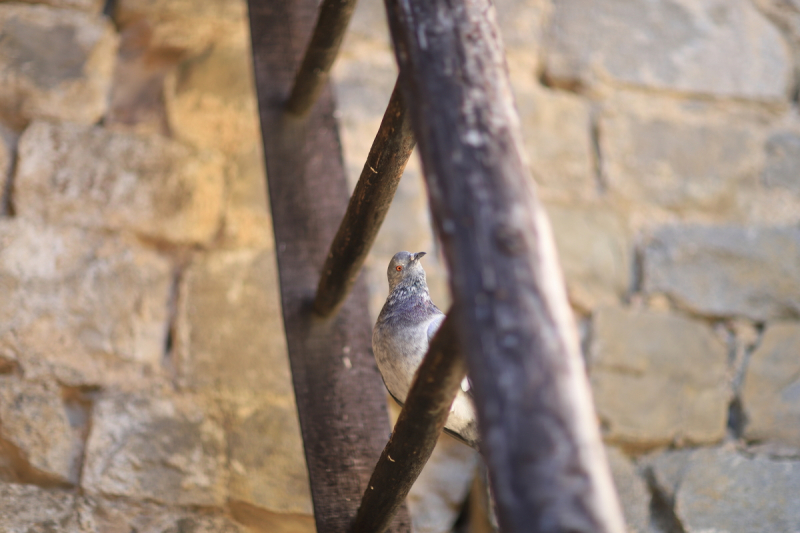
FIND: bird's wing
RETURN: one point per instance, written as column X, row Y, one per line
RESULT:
column 434, row 326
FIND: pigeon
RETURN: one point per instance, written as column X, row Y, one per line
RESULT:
column 400, row 339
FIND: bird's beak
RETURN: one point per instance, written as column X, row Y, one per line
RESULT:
column 418, row 256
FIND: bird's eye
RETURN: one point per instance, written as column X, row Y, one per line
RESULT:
column 399, row 268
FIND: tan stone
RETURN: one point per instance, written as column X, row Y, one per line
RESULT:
column 726, row 271
column 658, row 378
column 91, row 309
column 595, row 254
column 717, row 47
column 90, row 177
column 183, row 25
column 210, row 100
column 34, row 422
column 122, row 515
column 556, row 128
column 91, row 6
column 54, row 64
column 771, row 391
column 632, row 490
column 691, row 159
column 149, row 446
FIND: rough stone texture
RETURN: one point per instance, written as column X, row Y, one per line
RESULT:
column 595, row 253
column 54, row 64
column 124, row 516
column 783, row 160
column 632, row 491
column 91, row 177
column 771, row 391
column 657, row 378
column 186, row 26
column 681, row 157
column 224, row 353
column 91, row 6
column 149, row 446
column 717, row 47
column 722, row 490
column 34, row 423
column 558, row 143
column 30, row 509
column 727, row 271
column 90, row 309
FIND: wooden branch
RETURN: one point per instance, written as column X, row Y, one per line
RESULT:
column 341, row 400
column 416, row 432
column 334, row 16
column 368, row 206
column 539, row 431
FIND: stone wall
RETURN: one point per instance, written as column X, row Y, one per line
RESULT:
column 144, row 384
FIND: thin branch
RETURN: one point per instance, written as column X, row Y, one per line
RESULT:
column 368, row 206
column 334, row 16
column 415, row 433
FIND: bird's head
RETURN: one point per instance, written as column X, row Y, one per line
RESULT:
column 405, row 265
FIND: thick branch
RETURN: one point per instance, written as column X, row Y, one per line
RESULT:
column 368, row 206
column 334, row 16
column 539, row 431
column 415, row 433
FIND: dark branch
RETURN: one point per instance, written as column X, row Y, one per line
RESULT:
column 415, row 433
column 368, row 206
column 539, row 432
column 334, row 16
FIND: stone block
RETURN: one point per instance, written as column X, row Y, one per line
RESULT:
column 34, row 423
column 31, row 509
column 210, row 100
column 151, row 447
column 727, row 271
column 185, row 26
column 94, row 178
column 771, row 389
column 657, row 379
column 716, row 47
column 595, row 253
column 88, row 308
column 782, row 168
column 90, row 6
column 121, row 515
column 556, row 129
column 632, row 490
column 268, row 468
column 221, row 349
column 718, row 489
column 54, row 64
column 686, row 158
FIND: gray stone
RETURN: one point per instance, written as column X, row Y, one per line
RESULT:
column 121, row 515
column 90, row 177
column 727, row 271
column 54, row 64
column 684, row 158
column 34, row 423
column 782, row 169
column 771, row 391
column 148, row 446
column 88, row 308
column 30, row 509
column 718, row 47
column 632, row 490
column 657, row 378
column 722, row 490
column 595, row 254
